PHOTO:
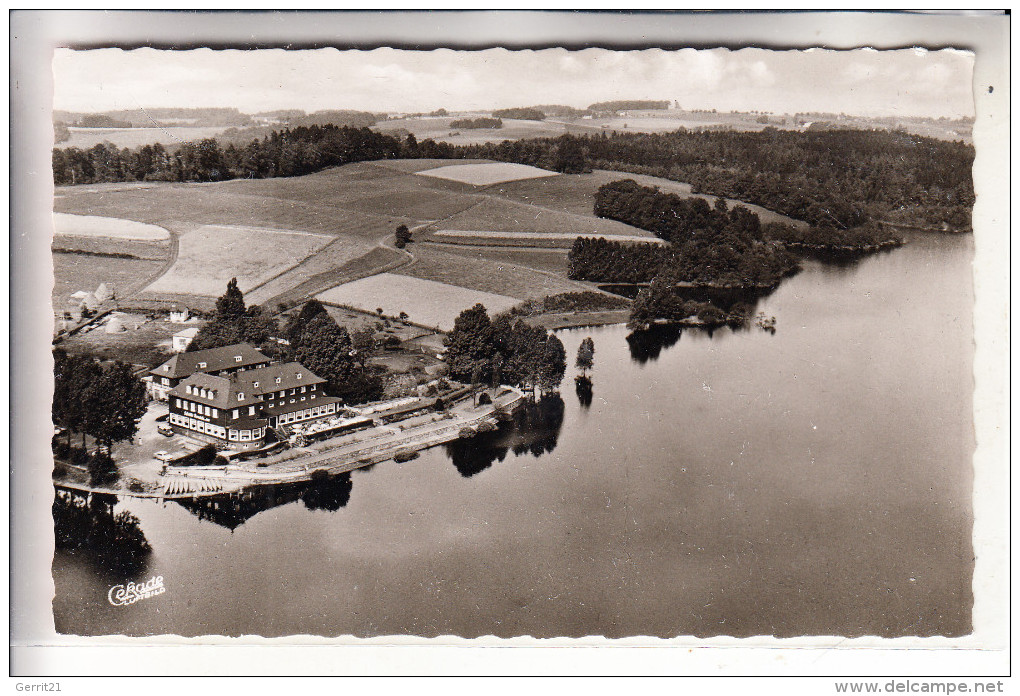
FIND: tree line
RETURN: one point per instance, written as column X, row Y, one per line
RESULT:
column 481, row 122
column 102, row 400
column 504, row 351
column 523, row 113
column 600, row 260
column 290, row 152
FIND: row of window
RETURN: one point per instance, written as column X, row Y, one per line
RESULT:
column 217, row 430
column 200, row 426
column 307, row 413
column 197, row 408
column 282, row 402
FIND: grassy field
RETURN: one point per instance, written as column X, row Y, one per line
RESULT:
column 113, row 228
column 426, row 302
column 495, row 214
column 493, row 276
column 548, row 260
column 74, row 272
column 499, row 237
column 156, row 251
column 211, row 255
column 486, row 174
column 136, row 137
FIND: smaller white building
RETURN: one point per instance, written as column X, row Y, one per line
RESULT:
column 182, row 339
column 179, row 316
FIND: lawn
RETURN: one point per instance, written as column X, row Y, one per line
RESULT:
column 115, row 228
column 486, row 174
column 426, row 302
column 492, row 276
column 213, row 254
column 73, row 272
column 570, row 236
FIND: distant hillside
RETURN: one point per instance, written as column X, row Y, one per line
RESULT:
column 524, row 113
column 559, row 110
column 629, row 105
column 147, row 118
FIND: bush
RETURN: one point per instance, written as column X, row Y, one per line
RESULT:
column 405, row 456
column 484, row 399
column 440, row 405
column 102, row 470
column 467, row 433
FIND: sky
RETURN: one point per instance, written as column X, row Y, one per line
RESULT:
column 907, row 82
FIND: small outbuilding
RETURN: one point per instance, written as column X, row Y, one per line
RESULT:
column 182, row 339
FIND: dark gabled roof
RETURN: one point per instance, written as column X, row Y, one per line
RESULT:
column 290, row 374
column 215, row 359
column 221, row 392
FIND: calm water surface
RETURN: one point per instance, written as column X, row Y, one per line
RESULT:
column 812, row 482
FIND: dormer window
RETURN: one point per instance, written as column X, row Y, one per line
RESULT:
column 187, row 389
column 240, row 396
column 166, row 368
column 201, row 364
column 299, row 375
column 277, row 380
column 237, row 358
column 255, row 384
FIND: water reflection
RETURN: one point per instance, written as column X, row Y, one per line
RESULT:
column 86, row 525
column 646, row 346
column 231, row 510
column 584, row 388
column 534, row 427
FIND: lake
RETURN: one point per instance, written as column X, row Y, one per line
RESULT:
column 814, row 481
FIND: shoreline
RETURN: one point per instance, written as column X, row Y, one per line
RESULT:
column 206, row 481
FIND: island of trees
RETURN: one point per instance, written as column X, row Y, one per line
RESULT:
column 524, row 113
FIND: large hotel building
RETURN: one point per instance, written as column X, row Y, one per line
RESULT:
column 232, row 396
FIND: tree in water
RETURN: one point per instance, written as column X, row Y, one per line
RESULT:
column 585, row 355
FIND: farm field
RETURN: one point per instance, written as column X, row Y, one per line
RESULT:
column 487, row 174
column 498, row 236
column 340, row 262
column 183, row 207
column 74, row 272
column 548, row 260
column 136, row 137
column 438, row 129
column 156, row 251
column 213, row 254
column 116, row 228
column 493, row 214
column 426, row 302
column 492, row 276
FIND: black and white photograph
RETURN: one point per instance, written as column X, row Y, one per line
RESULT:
column 670, row 341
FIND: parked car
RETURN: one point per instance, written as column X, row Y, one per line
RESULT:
column 161, row 455
column 164, row 429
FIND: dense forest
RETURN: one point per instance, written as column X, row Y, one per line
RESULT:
column 835, row 179
column 629, row 105
column 599, row 260
column 481, row 122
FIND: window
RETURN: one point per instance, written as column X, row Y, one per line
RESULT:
column 236, row 414
column 201, row 364
column 299, row 375
column 177, row 403
column 312, row 396
column 251, row 410
column 166, row 381
column 255, row 385
column 166, row 368
column 277, row 380
column 237, row 358
column 232, row 435
column 240, row 396
column 187, row 389
column 292, row 400
column 215, row 413
column 302, row 390
column 313, row 387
